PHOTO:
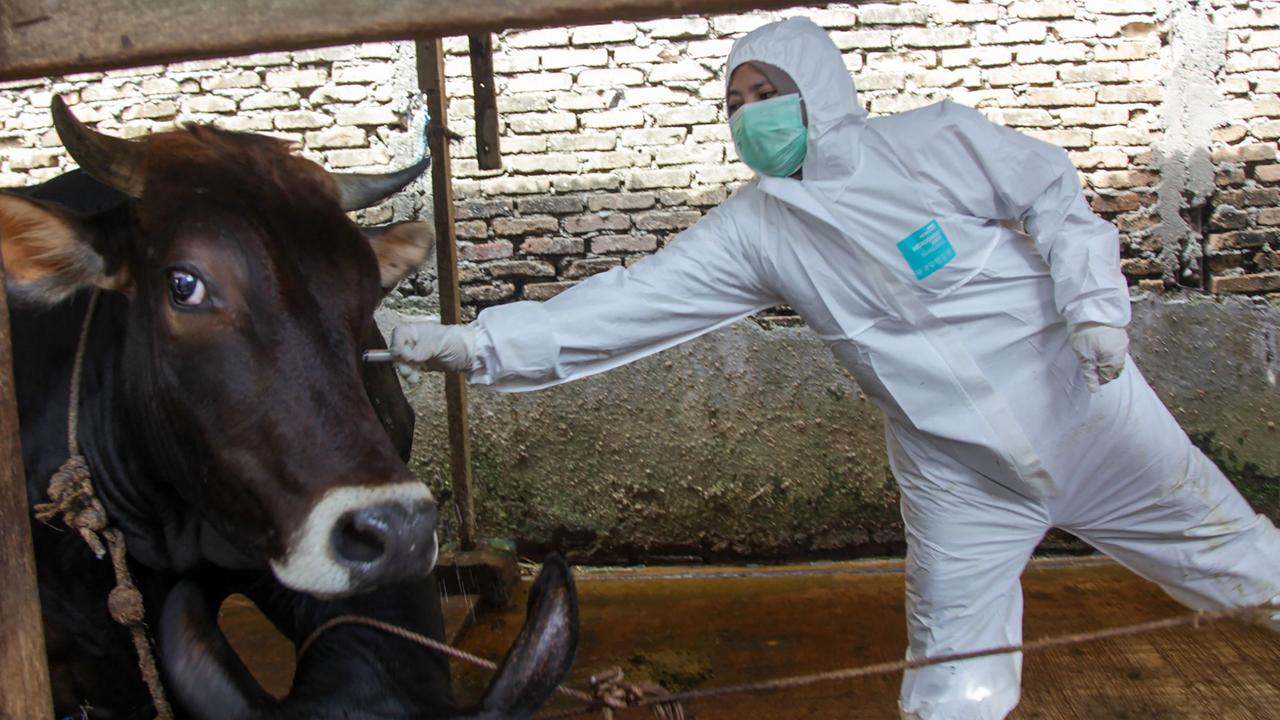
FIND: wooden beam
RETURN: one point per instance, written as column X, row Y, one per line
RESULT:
column 41, row 38
column 488, row 153
column 24, row 666
column 431, row 83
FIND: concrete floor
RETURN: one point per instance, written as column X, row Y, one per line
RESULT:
column 709, row 627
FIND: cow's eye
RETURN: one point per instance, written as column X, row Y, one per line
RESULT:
column 185, row 288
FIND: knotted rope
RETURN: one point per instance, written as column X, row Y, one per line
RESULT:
column 71, row 496
column 1259, row 614
column 611, row 693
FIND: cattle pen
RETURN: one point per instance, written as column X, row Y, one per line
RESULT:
column 57, row 37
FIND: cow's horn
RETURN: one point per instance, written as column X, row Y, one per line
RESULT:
column 362, row 191
column 202, row 669
column 543, row 652
column 112, row 161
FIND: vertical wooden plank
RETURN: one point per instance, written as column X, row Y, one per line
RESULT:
column 488, row 153
column 24, row 669
column 431, row 83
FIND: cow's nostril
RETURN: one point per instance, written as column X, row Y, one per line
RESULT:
column 358, row 544
column 386, row 542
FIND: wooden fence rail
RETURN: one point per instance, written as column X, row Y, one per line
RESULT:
column 55, row 37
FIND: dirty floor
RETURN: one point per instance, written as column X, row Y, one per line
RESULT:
column 707, row 627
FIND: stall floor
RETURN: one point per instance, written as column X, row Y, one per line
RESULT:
column 723, row 626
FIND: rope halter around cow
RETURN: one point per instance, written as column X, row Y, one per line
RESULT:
column 71, row 496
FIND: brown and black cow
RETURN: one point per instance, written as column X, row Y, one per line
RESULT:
column 231, row 430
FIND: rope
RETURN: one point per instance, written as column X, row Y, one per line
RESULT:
column 71, row 495
column 422, row 640
column 125, row 604
column 1194, row 620
column 611, row 693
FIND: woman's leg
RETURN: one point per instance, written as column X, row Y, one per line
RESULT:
column 968, row 541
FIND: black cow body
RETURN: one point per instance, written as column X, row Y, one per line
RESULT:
column 232, row 433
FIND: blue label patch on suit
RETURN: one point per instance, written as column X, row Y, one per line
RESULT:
column 927, row 250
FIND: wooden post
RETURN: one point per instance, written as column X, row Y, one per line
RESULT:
column 431, row 83
column 488, row 154
column 24, row 668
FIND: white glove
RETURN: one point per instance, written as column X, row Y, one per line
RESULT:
column 1101, row 349
column 425, row 343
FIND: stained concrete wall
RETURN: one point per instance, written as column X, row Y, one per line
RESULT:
column 753, row 443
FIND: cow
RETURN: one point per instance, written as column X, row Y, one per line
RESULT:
column 232, row 433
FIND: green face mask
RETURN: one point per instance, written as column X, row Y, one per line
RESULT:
column 770, row 135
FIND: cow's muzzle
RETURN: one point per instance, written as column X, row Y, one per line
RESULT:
column 386, row 542
column 358, row 538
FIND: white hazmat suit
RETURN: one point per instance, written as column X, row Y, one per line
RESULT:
column 896, row 247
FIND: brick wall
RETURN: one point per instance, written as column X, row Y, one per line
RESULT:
column 614, row 137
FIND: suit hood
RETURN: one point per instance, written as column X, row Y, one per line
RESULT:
column 801, row 49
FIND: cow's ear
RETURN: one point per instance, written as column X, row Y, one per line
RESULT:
column 401, row 249
column 51, row 253
column 542, row 654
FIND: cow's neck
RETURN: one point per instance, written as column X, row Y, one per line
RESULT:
column 161, row 531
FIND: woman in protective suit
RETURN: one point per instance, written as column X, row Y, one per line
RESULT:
column 998, row 359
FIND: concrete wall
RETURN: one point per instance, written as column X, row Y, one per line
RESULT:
column 753, row 443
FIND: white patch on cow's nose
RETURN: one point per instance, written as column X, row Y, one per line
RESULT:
column 310, row 564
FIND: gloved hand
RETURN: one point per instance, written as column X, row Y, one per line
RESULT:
column 1101, row 349
column 425, row 343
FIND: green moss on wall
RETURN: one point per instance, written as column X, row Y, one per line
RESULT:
column 1260, row 488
